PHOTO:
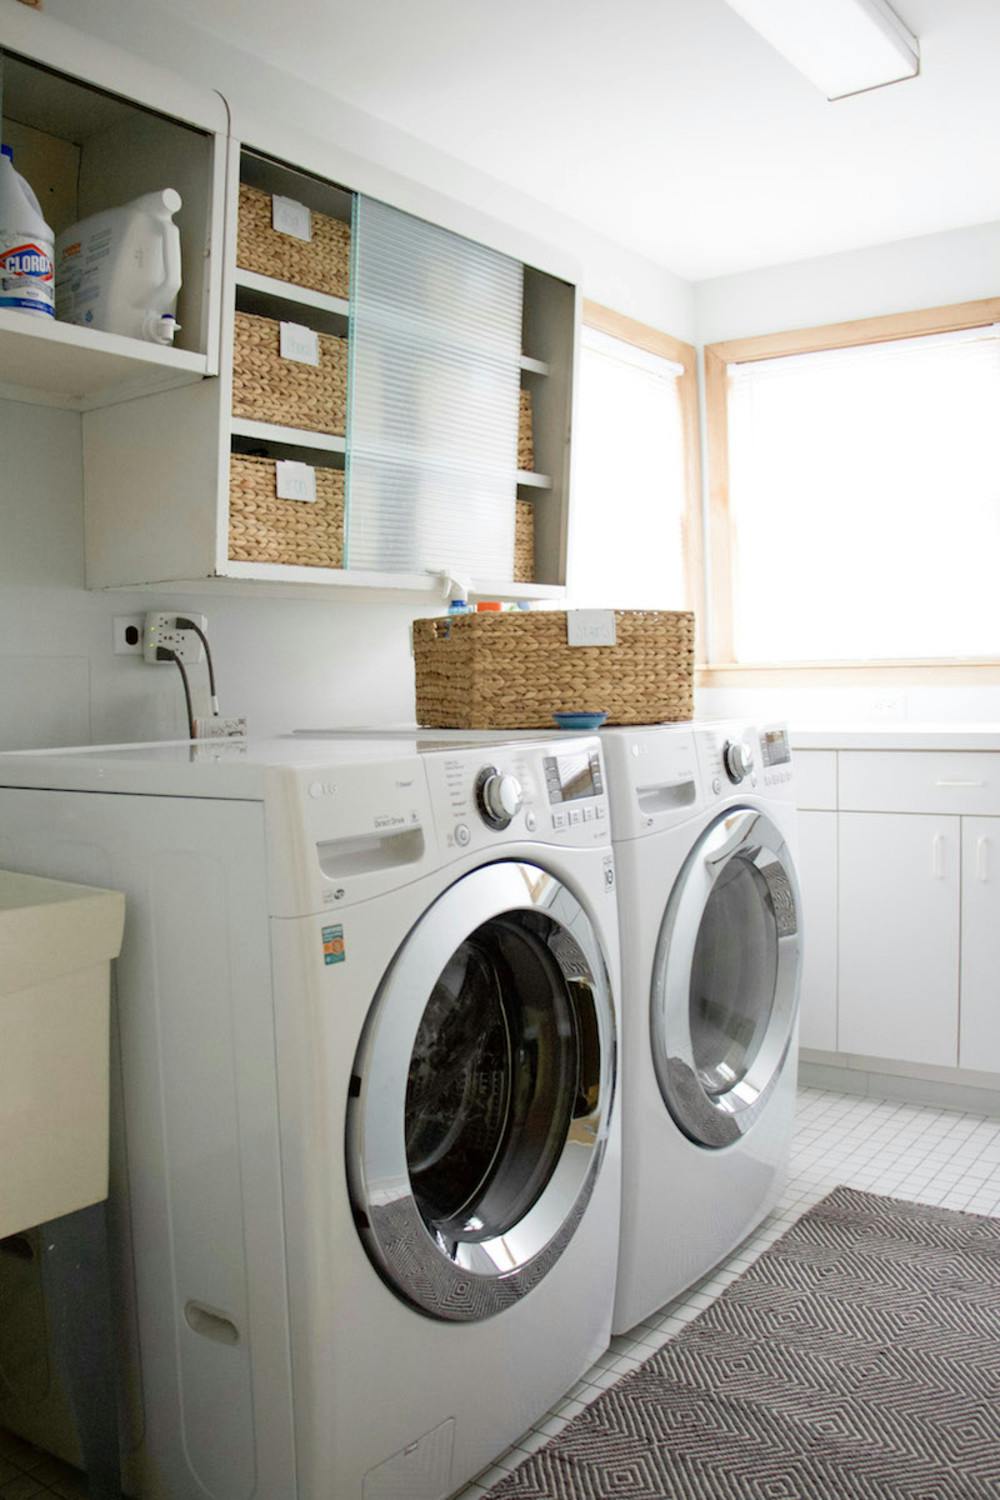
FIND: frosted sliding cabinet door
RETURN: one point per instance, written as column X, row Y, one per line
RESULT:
column 434, row 349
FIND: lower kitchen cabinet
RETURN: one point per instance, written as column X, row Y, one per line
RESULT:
column 979, row 1032
column 817, row 866
column 899, row 933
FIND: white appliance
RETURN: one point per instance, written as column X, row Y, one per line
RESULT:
column 704, row 836
column 368, row 1162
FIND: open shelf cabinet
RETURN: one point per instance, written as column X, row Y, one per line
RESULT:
column 84, row 148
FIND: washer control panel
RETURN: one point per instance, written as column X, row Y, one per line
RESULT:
column 535, row 791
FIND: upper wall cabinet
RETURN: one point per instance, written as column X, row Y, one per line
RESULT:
column 394, row 403
column 92, row 129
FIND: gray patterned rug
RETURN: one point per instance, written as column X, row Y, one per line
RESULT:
column 857, row 1359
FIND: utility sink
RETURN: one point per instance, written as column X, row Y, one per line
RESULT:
column 56, row 946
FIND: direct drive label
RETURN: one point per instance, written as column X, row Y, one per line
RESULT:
column 333, row 945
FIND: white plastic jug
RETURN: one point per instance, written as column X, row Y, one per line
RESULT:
column 26, row 269
column 120, row 270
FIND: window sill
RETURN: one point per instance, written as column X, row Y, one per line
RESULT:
column 950, row 672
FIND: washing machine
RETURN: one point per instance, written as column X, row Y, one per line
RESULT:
column 711, row 934
column 366, row 1177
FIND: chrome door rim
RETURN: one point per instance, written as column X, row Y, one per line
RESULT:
column 716, row 1120
column 469, row 1280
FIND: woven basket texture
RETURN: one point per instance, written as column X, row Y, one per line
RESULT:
column 524, row 542
column 267, row 388
column 513, row 671
column 525, row 434
column 322, row 263
column 263, row 528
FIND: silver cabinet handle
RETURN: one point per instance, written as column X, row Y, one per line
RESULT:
column 937, row 856
column 960, row 783
column 983, row 859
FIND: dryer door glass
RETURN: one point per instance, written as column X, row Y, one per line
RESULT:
column 482, row 1093
column 726, row 978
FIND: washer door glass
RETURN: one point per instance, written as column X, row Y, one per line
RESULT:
column 482, row 1093
column 726, row 978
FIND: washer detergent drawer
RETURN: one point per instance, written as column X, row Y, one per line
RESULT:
column 920, row 781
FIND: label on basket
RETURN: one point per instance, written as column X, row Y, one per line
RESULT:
column 289, row 217
column 294, row 481
column 591, row 627
column 297, row 342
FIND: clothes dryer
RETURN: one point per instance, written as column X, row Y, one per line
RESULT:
column 367, row 1160
column 711, row 932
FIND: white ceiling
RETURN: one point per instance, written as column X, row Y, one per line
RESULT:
column 669, row 125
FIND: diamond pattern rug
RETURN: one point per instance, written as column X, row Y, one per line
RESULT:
column 857, row 1359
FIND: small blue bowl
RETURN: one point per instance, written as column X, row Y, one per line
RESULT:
column 580, row 720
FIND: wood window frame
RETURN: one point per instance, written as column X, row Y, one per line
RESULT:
column 655, row 341
column 722, row 670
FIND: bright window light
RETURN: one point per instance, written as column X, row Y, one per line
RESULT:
column 842, row 46
column 627, row 542
column 865, row 502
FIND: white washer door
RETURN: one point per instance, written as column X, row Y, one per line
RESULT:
column 726, row 978
column 482, row 1092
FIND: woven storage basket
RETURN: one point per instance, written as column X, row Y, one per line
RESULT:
column 525, row 435
column 268, row 388
column 524, row 542
column 263, row 528
column 513, row 671
column 321, row 263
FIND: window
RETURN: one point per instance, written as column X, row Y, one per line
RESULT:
column 635, row 501
column 858, row 493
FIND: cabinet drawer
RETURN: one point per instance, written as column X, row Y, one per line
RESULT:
column 920, row 781
column 815, row 778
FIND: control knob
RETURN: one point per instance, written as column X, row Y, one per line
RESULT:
column 737, row 757
column 498, row 795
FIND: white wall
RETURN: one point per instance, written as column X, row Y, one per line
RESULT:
column 285, row 663
column 932, row 271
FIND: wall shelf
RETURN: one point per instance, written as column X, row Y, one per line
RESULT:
column 288, row 581
column 531, row 366
column 59, row 364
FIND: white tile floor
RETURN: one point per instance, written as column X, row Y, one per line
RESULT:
column 882, row 1146
column 906, row 1150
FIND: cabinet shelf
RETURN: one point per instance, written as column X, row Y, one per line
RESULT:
column 288, row 437
column 60, row 364
column 288, row 292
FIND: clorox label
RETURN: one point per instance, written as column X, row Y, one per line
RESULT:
column 27, row 260
column 27, row 276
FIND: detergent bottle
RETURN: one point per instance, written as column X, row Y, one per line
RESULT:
column 120, row 271
column 26, row 269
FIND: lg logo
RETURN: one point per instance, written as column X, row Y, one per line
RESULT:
column 322, row 789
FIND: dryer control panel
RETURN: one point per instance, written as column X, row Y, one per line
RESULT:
column 747, row 758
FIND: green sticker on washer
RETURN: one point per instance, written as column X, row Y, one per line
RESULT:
column 333, row 945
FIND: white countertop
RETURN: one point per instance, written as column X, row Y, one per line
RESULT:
column 896, row 735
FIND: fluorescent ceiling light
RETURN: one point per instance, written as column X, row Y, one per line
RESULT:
column 842, row 46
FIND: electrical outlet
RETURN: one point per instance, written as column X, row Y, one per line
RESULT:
column 219, row 728
column 126, row 634
column 160, row 631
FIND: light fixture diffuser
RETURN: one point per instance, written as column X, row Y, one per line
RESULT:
column 842, row 46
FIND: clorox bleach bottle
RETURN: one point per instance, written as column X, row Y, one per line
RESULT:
column 120, row 270
column 26, row 269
